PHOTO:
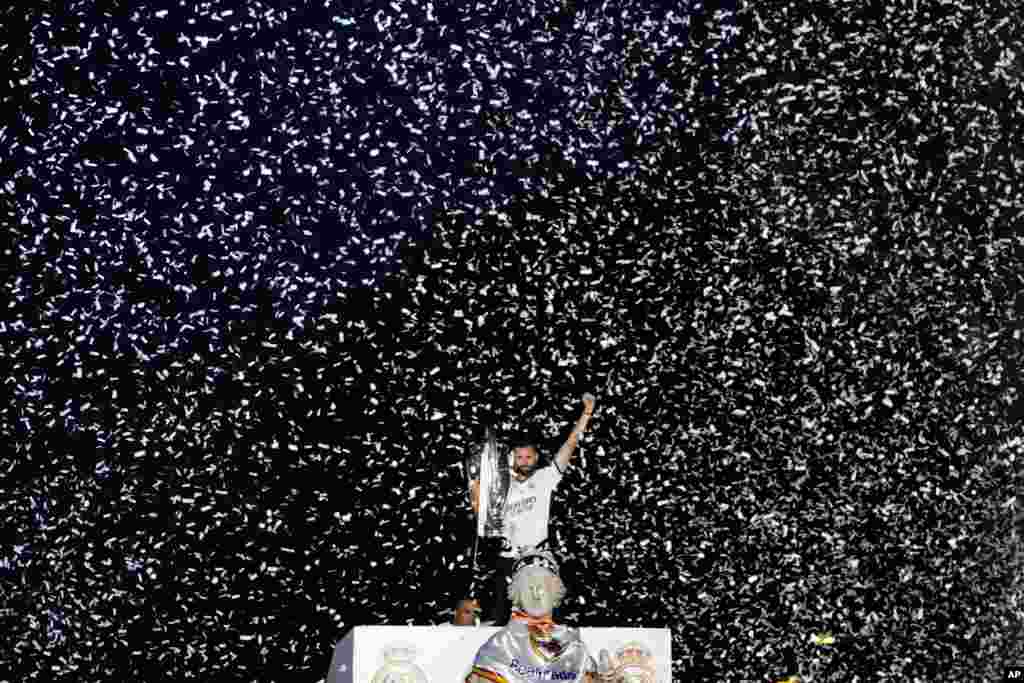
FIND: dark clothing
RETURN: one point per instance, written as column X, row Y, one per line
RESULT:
column 501, row 609
column 501, row 605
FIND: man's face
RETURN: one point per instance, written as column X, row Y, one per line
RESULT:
column 465, row 613
column 524, row 460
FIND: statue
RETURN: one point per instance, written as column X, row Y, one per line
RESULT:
column 532, row 647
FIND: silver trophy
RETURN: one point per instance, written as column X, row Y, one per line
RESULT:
column 489, row 465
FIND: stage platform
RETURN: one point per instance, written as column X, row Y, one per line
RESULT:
column 444, row 654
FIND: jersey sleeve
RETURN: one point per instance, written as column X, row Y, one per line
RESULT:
column 552, row 475
column 493, row 660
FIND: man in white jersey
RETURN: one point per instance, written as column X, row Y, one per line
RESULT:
column 528, row 506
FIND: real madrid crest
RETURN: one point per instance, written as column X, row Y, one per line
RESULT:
column 399, row 666
column 635, row 662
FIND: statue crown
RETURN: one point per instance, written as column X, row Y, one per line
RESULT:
column 536, row 558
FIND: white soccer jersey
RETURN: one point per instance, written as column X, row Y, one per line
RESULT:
column 528, row 508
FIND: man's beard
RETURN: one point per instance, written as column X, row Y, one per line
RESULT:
column 524, row 470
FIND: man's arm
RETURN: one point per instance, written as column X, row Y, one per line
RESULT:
column 474, row 495
column 565, row 453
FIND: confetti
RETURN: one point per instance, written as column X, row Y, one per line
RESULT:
column 268, row 269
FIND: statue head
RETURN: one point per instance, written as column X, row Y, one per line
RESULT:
column 536, row 587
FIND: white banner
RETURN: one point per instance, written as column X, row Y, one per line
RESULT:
column 445, row 654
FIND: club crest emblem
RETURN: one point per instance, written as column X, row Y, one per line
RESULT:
column 635, row 661
column 400, row 666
